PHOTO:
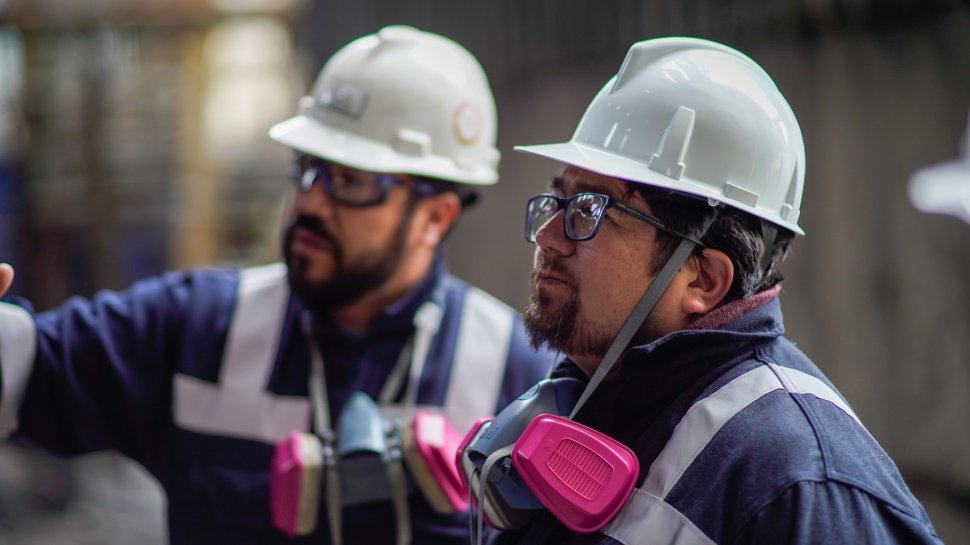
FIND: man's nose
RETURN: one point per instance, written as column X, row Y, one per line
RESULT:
column 312, row 198
column 552, row 235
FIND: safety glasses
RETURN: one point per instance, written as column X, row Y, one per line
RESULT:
column 349, row 186
column 584, row 215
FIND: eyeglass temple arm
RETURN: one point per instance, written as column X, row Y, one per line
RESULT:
column 654, row 221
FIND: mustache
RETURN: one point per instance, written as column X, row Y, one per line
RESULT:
column 548, row 264
column 311, row 224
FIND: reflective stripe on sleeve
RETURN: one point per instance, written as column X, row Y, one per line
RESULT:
column 18, row 346
column 480, row 358
column 647, row 518
column 706, row 417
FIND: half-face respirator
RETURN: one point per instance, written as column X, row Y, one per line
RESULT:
column 363, row 462
column 531, row 457
column 363, row 458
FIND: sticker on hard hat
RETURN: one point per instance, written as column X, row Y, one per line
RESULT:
column 467, row 123
column 342, row 98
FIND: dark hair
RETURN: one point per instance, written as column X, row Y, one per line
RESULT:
column 740, row 235
column 466, row 195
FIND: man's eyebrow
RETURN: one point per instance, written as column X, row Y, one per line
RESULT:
column 582, row 186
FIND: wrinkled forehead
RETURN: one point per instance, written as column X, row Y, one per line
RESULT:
column 573, row 180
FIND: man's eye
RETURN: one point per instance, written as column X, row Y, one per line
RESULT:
column 355, row 181
column 589, row 208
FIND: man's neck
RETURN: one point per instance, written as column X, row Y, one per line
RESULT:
column 735, row 309
column 712, row 320
column 587, row 364
column 358, row 316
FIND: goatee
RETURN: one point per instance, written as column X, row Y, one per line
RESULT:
column 348, row 283
column 565, row 326
column 560, row 327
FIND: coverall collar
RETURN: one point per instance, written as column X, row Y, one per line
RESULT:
column 650, row 377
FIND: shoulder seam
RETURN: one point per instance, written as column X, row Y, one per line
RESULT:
column 769, row 499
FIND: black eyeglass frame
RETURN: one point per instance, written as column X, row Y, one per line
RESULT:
column 319, row 172
column 564, row 203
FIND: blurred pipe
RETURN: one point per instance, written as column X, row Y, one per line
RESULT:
column 95, row 56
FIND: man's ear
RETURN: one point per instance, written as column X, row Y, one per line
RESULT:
column 713, row 274
column 440, row 213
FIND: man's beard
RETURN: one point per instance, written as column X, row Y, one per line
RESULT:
column 347, row 283
column 561, row 328
column 564, row 329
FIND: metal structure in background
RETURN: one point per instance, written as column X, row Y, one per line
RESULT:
column 145, row 137
column 11, row 131
column 145, row 153
column 518, row 41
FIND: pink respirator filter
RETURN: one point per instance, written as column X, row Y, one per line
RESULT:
column 430, row 446
column 581, row 475
column 294, row 485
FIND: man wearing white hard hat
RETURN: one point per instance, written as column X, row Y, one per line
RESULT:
column 322, row 399
column 681, row 414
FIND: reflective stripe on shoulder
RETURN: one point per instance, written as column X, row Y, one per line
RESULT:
column 18, row 346
column 703, row 420
column 485, row 332
column 647, row 519
column 239, row 405
column 255, row 329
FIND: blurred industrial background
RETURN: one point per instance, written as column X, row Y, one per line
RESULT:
column 133, row 141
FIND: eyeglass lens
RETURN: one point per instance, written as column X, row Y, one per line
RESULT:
column 583, row 214
column 345, row 185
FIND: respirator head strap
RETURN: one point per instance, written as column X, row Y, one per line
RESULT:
column 643, row 309
column 500, row 456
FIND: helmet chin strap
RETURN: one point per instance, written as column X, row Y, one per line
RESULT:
column 640, row 312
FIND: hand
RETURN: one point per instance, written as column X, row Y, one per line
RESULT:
column 6, row 277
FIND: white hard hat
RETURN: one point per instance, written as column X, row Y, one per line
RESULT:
column 401, row 100
column 945, row 188
column 699, row 118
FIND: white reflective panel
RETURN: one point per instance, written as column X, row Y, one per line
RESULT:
column 648, row 520
column 239, row 405
column 479, row 363
column 706, row 417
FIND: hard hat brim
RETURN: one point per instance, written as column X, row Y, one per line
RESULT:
column 307, row 135
column 633, row 170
